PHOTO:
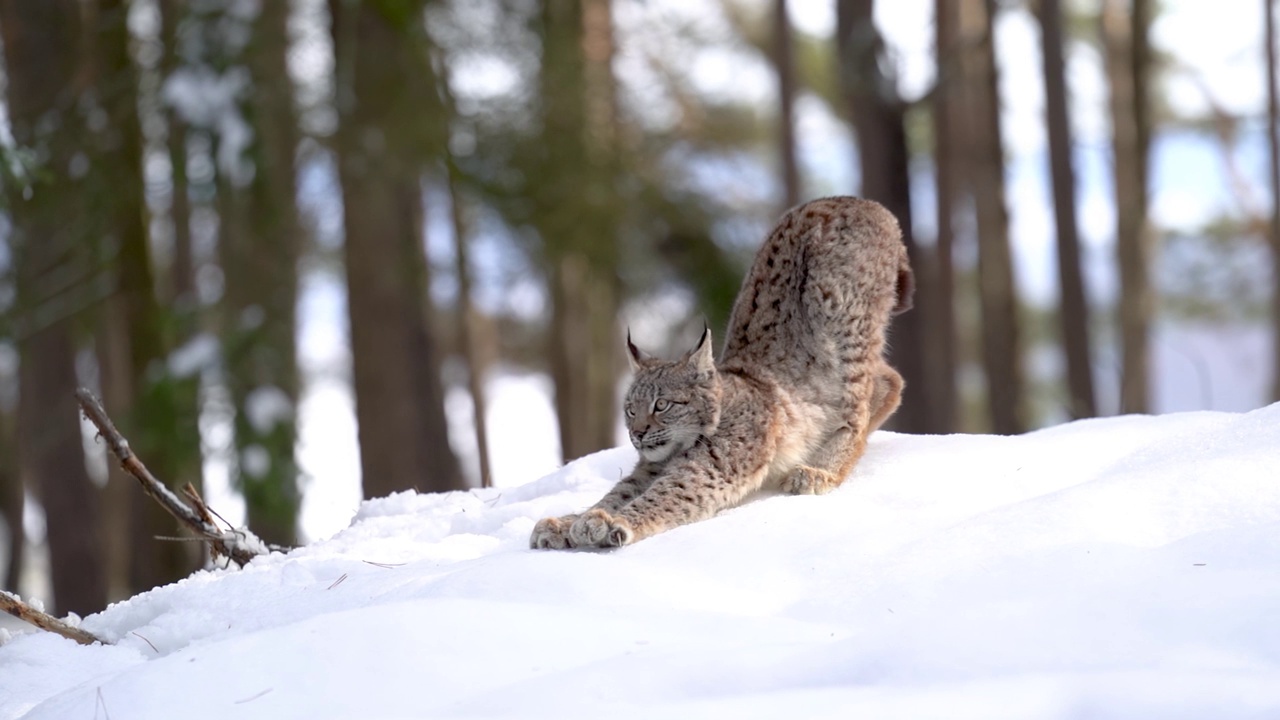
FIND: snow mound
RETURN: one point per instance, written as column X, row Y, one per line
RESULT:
column 1122, row 567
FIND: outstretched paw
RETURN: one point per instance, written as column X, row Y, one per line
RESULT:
column 552, row 533
column 597, row 528
column 805, row 480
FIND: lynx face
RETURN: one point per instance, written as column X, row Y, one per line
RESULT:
column 671, row 404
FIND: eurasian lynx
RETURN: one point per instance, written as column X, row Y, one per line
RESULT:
column 801, row 383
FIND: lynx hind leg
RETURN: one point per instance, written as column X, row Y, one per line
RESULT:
column 832, row 463
column 552, row 533
column 886, row 396
column 807, row 480
column 828, row 468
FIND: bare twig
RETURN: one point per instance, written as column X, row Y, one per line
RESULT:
column 251, row 698
column 24, row 612
column 102, row 702
column 201, row 508
column 238, row 545
column 145, row 640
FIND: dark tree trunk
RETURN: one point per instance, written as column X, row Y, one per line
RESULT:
column 985, row 166
column 579, row 229
column 182, row 269
column 878, row 121
column 11, row 504
column 1273, row 153
column 49, row 435
column 260, row 263
column 168, row 439
column 1074, row 312
column 404, row 440
column 115, row 380
column 1124, row 31
column 941, row 357
column 43, row 49
column 784, row 63
column 468, row 338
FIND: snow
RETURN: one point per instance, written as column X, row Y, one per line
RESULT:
column 197, row 354
column 267, row 406
column 1110, row 568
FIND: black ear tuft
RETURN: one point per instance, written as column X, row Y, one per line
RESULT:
column 703, row 356
column 635, row 355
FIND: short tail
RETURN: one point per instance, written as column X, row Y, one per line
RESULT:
column 906, row 286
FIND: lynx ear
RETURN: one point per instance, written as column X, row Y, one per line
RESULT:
column 703, row 357
column 637, row 357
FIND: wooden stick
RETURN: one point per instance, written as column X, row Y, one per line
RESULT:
column 24, row 612
column 238, row 545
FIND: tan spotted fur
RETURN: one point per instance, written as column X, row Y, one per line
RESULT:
column 800, row 383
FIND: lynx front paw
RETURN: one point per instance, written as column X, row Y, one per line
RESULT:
column 597, row 528
column 809, row 481
column 552, row 533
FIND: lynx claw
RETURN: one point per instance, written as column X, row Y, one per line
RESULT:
column 597, row 528
column 809, row 481
column 552, row 533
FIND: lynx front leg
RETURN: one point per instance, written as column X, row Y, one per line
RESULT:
column 628, row 489
column 552, row 533
column 687, row 491
column 598, row 528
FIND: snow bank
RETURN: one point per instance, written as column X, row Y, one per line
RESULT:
column 1125, row 567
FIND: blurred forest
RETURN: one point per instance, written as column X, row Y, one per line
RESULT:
column 499, row 186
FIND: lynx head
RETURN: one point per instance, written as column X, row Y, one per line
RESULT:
column 671, row 404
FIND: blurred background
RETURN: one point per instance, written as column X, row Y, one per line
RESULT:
column 312, row 251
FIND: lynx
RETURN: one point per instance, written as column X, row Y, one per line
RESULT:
column 800, row 384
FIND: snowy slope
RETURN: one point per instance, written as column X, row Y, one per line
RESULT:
column 1125, row 567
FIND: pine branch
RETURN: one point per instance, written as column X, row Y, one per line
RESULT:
column 239, row 545
column 24, row 612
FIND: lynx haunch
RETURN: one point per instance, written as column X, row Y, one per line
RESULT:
column 800, row 384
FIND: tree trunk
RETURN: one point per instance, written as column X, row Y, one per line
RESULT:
column 1273, row 152
column 784, row 63
column 579, row 229
column 11, row 504
column 182, row 268
column 475, row 353
column 468, row 340
column 1124, row 31
column 1074, row 311
column 941, row 357
column 385, row 114
column 878, row 122
column 115, row 380
column 159, row 432
column 985, row 166
column 260, row 263
column 43, row 53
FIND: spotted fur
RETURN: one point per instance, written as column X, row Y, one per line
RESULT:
column 800, row 383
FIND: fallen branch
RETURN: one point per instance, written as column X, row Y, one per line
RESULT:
column 239, row 545
column 24, row 612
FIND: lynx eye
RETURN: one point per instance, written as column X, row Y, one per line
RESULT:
column 629, row 412
column 661, row 405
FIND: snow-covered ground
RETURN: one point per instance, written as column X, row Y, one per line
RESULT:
column 1125, row 567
